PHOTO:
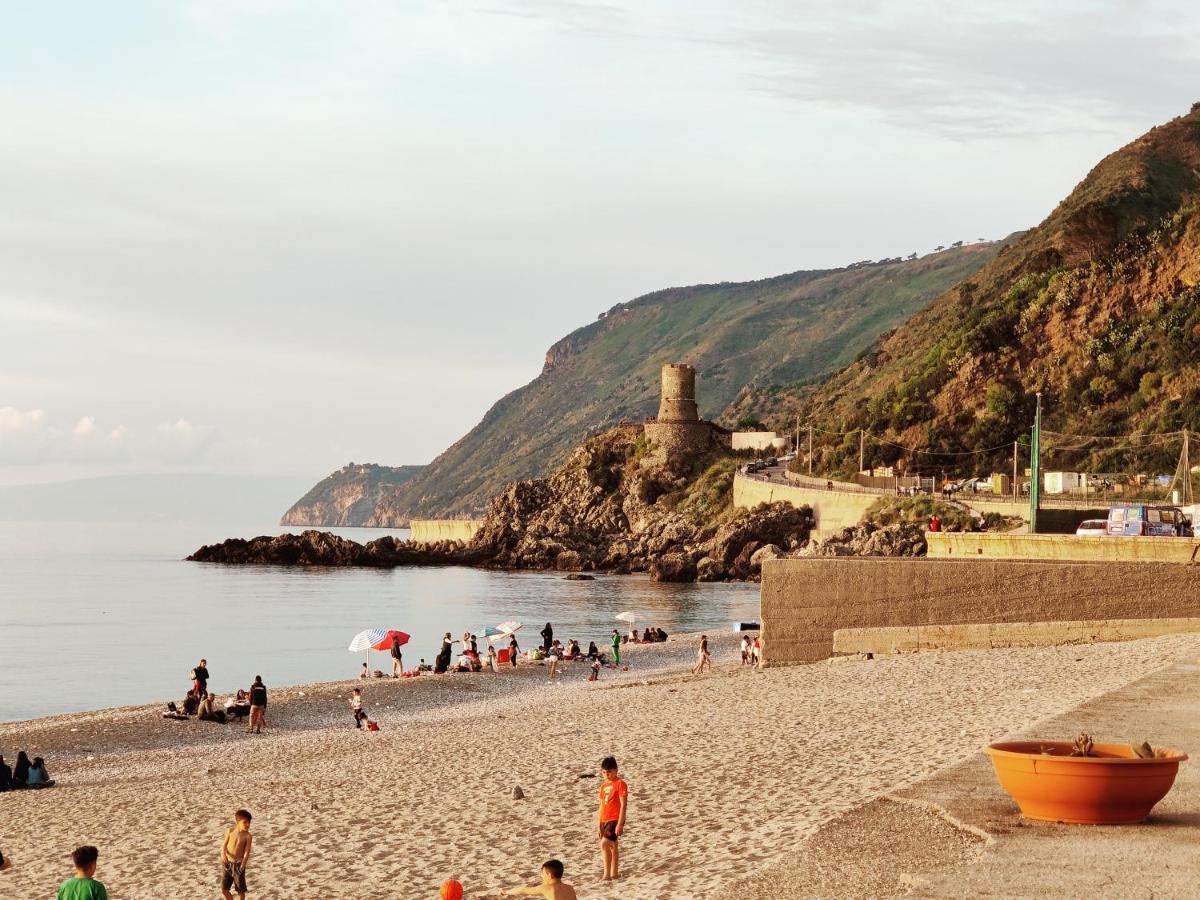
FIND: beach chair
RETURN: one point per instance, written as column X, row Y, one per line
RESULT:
column 502, row 657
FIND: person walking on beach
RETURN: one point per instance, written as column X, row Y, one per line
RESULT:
column 547, row 638
column 84, row 885
column 258, row 705
column 513, row 650
column 614, row 801
column 552, row 886
column 397, row 657
column 703, row 659
column 356, row 708
column 616, row 647
column 235, row 853
column 200, row 679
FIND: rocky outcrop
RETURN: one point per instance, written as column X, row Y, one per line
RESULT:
column 605, row 509
column 903, row 539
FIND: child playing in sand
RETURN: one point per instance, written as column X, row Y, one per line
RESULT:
column 235, row 853
column 595, row 675
column 552, row 886
column 614, row 801
column 84, row 885
column 356, row 707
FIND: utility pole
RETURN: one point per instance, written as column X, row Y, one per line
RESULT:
column 1035, row 466
column 810, row 447
column 1016, row 489
column 797, row 446
column 862, row 446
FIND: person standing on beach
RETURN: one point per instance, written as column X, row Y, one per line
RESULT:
column 552, row 886
column 614, row 801
column 513, row 650
column 745, row 649
column 552, row 658
column 703, row 659
column 442, row 661
column 616, row 647
column 84, row 885
column 200, row 679
column 397, row 657
column 547, row 638
column 235, row 853
column 258, row 705
column 356, row 708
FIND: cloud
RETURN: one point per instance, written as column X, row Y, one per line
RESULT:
column 31, row 437
column 13, row 420
column 85, row 427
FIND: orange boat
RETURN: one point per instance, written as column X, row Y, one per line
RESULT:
column 1113, row 786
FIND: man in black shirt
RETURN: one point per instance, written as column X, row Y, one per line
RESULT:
column 258, row 705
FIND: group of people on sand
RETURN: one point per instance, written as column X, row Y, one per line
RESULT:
column 198, row 703
column 27, row 774
column 751, row 649
column 235, row 854
column 610, row 827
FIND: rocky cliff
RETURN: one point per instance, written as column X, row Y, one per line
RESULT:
column 350, row 496
column 604, row 509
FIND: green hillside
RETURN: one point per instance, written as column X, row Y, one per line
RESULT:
column 1098, row 308
column 774, row 331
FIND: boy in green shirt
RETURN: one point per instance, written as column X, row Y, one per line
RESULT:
column 83, row 886
column 616, row 645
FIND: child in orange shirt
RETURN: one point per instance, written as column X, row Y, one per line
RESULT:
column 614, row 801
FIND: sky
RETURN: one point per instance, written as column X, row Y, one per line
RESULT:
column 261, row 236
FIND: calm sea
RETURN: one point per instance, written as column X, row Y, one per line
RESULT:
column 95, row 615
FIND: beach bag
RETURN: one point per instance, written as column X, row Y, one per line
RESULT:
column 372, row 725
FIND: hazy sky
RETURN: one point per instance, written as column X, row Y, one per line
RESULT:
column 254, row 235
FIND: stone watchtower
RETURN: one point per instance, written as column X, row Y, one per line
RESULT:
column 678, row 431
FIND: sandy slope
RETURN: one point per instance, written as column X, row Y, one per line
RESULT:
column 727, row 772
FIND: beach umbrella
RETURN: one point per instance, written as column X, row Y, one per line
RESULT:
column 376, row 639
column 491, row 631
column 628, row 616
column 504, row 629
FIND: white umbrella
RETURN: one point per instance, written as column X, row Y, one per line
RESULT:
column 506, row 629
column 364, row 640
column 630, row 617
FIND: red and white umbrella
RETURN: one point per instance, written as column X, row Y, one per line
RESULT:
column 376, row 639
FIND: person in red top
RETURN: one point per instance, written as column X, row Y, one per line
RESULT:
column 614, row 800
column 935, row 524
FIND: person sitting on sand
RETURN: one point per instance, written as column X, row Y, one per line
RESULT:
column 364, row 673
column 237, row 707
column 208, row 711
column 552, row 886
column 191, row 703
column 38, row 776
column 235, row 853
column 20, row 775
column 593, row 651
column 6, row 782
column 574, row 648
column 84, row 885
column 595, row 673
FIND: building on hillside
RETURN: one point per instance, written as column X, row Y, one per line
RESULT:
column 678, row 431
column 1063, row 482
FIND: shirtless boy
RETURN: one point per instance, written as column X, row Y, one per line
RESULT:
column 552, row 886
column 614, row 799
column 235, row 853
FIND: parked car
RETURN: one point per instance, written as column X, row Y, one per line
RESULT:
column 770, row 461
column 1093, row 527
column 787, row 457
column 1144, row 520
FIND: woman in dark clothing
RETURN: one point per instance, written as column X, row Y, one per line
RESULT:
column 592, row 651
column 547, row 637
column 513, row 650
column 20, row 774
column 442, row 662
column 5, row 776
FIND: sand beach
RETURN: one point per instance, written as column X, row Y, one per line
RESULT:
column 728, row 772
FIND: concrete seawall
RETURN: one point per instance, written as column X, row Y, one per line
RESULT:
column 990, row 545
column 804, row 601
column 429, row 531
column 833, row 510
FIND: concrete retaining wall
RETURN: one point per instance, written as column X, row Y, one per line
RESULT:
column 804, row 601
column 833, row 510
column 992, row 545
column 907, row 639
column 429, row 531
